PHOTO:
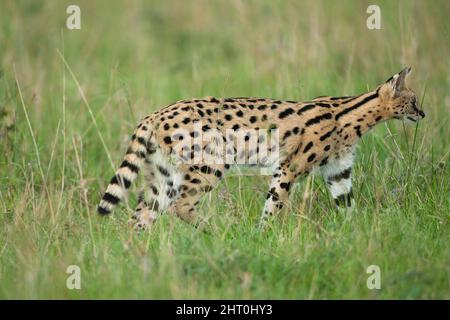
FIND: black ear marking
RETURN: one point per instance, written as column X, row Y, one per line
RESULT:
column 399, row 76
column 398, row 80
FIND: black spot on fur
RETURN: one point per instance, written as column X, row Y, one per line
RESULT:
column 206, row 169
column 272, row 193
column 102, row 210
column 171, row 193
column 308, row 146
column 311, row 157
column 287, row 134
column 340, row 200
column 315, row 120
column 262, row 107
column 141, row 141
column 286, row 113
column 345, row 174
column 324, row 161
column 167, row 140
column 164, row 171
column 207, row 188
column 178, row 136
column 285, row 185
column 130, row 166
column 119, row 180
column 328, row 134
column 358, row 130
column 154, row 190
column 110, row 198
column 306, row 108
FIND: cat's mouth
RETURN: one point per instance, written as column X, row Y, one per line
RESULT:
column 415, row 117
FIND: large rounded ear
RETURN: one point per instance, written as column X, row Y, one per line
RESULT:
column 397, row 83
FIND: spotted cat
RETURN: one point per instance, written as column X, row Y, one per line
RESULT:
column 320, row 134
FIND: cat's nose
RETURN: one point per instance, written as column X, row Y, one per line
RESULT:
column 422, row 114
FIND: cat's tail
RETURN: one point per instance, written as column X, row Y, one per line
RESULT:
column 140, row 146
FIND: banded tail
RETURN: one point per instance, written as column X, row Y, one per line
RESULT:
column 138, row 150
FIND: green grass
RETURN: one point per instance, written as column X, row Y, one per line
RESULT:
column 130, row 59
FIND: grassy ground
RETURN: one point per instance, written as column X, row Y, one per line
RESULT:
column 70, row 99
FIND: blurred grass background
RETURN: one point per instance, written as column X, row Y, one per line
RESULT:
column 129, row 59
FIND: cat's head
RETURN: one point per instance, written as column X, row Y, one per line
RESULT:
column 400, row 101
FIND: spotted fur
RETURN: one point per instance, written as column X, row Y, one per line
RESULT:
column 320, row 134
